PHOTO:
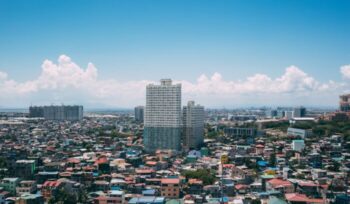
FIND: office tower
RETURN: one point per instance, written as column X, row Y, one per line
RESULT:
column 36, row 112
column 270, row 113
column 288, row 114
column 71, row 113
column 344, row 104
column 193, row 121
column 299, row 112
column 139, row 110
column 280, row 114
column 162, row 120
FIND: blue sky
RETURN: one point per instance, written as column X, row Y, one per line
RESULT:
column 148, row 40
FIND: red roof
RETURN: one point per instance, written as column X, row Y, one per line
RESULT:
column 73, row 160
column 51, row 183
column 241, row 186
column 296, row 197
column 195, row 181
column 151, row 163
column 101, row 160
column 144, row 171
column 170, row 181
column 228, row 165
column 279, row 182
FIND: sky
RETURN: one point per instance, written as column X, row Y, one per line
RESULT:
column 224, row 53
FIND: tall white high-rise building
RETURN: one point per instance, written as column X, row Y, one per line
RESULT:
column 162, row 119
column 193, row 121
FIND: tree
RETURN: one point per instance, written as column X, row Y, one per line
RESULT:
column 255, row 201
column 3, row 163
column 63, row 197
column 207, row 176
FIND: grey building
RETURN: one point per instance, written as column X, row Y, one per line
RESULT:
column 299, row 112
column 162, row 119
column 62, row 112
column 36, row 112
column 299, row 132
column 240, row 132
column 344, row 103
column 193, row 122
column 139, row 112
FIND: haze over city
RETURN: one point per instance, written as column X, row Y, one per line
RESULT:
column 225, row 54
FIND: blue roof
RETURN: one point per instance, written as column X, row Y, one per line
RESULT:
column 116, row 192
column 148, row 192
column 147, row 199
column 115, row 188
column 262, row 163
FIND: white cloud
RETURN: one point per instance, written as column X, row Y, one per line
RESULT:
column 345, row 71
column 3, row 76
column 65, row 81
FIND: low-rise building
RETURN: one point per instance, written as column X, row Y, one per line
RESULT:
column 298, row 145
column 26, row 187
column 170, row 187
column 10, row 184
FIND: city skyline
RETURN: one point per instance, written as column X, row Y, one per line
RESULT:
column 65, row 82
column 232, row 54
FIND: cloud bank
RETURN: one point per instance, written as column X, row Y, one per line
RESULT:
column 65, row 81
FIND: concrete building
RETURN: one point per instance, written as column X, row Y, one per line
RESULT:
column 28, row 198
column 36, row 112
column 271, row 113
column 26, row 187
column 139, row 113
column 299, row 132
column 288, row 114
column 25, row 169
column 170, row 187
column 344, row 103
column 10, row 184
column 163, row 124
column 193, row 121
column 298, row 145
column 240, row 132
column 72, row 113
column 113, row 196
column 299, row 112
column 280, row 114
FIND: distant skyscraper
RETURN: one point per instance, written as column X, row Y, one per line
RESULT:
column 344, row 104
column 36, row 112
column 271, row 113
column 139, row 110
column 162, row 120
column 71, row 113
column 288, row 114
column 193, row 121
column 299, row 112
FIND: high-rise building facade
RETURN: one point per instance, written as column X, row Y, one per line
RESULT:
column 139, row 113
column 162, row 119
column 63, row 112
column 299, row 112
column 344, row 104
column 193, row 123
column 36, row 112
